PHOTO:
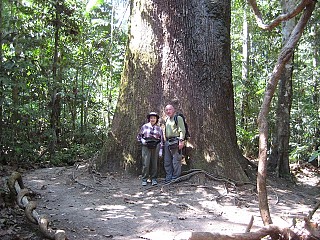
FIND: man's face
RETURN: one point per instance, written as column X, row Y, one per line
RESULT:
column 169, row 111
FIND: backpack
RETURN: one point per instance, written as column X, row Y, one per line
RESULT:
column 187, row 135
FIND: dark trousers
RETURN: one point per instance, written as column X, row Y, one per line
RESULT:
column 150, row 162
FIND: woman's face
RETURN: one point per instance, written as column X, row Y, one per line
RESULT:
column 153, row 120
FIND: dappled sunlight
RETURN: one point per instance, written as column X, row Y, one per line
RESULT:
column 129, row 159
column 119, row 206
column 147, row 206
column 110, row 207
column 150, row 193
column 207, row 157
column 38, row 181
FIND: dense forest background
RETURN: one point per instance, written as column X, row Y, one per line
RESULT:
column 61, row 65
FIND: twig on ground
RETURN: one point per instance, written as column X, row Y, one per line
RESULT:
column 314, row 210
column 248, row 229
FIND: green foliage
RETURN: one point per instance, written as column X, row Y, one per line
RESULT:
column 305, row 116
column 314, row 155
column 263, row 50
column 89, row 49
column 75, row 153
column 249, row 90
column 248, row 141
column 298, row 152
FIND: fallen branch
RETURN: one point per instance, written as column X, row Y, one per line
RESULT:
column 308, row 231
column 312, row 228
column 313, row 210
column 282, row 233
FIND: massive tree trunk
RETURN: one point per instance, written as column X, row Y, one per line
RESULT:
column 1, row 83
column 178, row 52
column 279, row 158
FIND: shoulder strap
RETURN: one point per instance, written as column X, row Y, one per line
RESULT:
column 176, row 119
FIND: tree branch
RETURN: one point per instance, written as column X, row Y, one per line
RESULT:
column 280, row 18
column 314, row 210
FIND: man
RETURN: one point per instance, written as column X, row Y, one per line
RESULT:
column 174, row 142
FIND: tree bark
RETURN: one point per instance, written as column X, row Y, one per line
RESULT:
column 178, row 52
column 1, row 82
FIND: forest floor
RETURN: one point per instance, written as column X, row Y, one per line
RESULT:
column 88, row 205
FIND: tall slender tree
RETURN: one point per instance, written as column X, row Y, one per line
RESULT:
column 57, row 84
column 307, row 7
column 245, row 68
column 279, row 158
column 316, row 87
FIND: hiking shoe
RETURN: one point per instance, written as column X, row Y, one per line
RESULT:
column 154, row 182
column 167, row 180
column 144, row 183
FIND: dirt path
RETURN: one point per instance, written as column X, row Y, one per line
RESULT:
column 89, row 206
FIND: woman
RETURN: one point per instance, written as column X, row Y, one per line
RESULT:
column 151, row 138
